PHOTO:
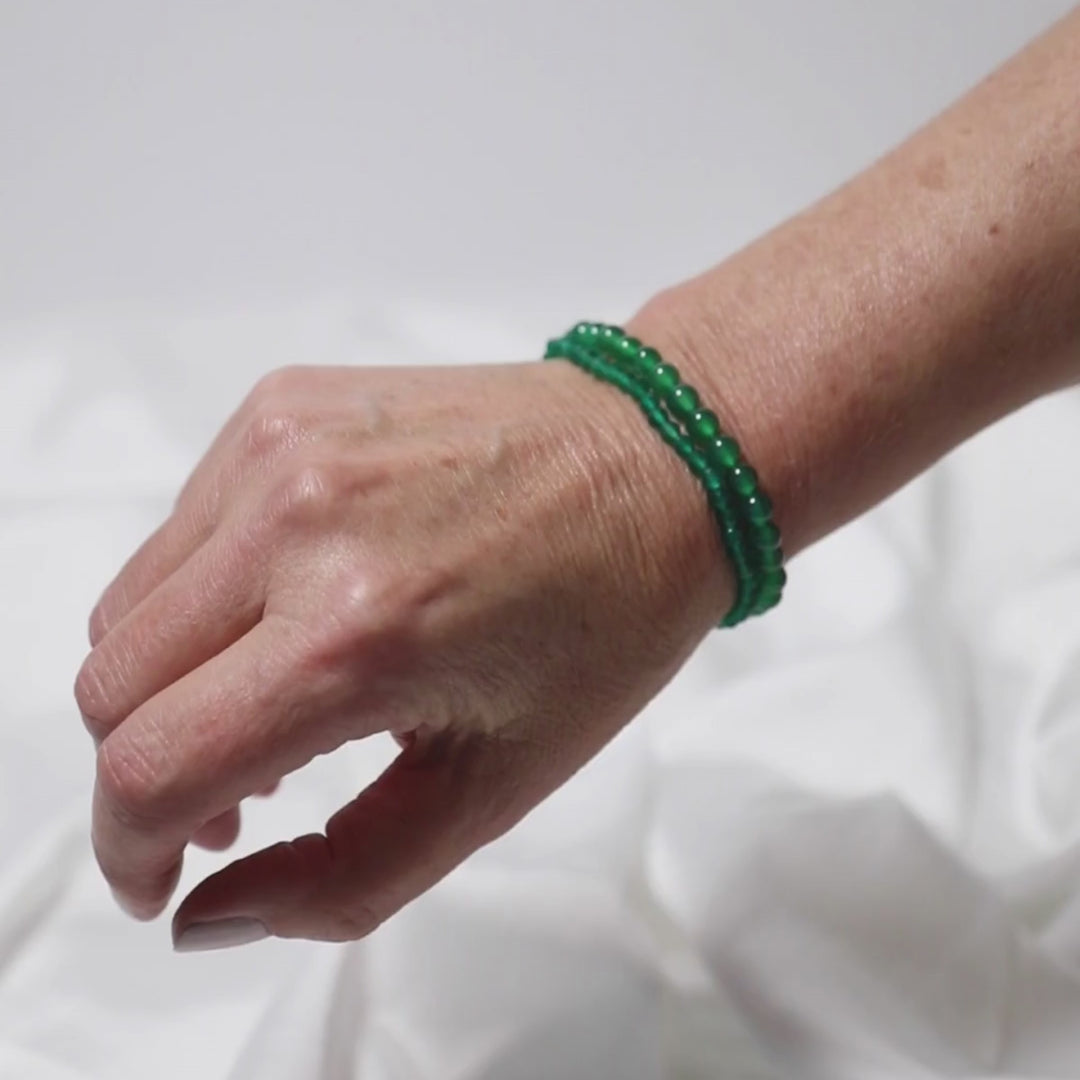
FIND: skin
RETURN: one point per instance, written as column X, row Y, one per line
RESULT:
column 501, row 565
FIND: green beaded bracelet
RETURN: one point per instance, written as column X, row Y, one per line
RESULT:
column 742, row 509
column 715, row 489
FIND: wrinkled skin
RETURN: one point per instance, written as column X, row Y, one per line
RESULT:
column 497, row 565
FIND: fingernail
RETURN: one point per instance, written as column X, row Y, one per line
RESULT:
column 220, row 934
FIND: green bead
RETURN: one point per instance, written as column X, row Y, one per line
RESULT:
column 764, row 602
column 770, row 558
column 664, row 377
column 733, row 544
column 771, row 586
column 774, row 580
column 742, row 511
column 697, row 463
column 724, row 451
column 718, row 496
column 759, row 508
column 684, row 402
column 768, row 536
column 704, row 424
column 744, row 479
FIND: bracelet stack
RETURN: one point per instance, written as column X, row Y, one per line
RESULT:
column 742, row 509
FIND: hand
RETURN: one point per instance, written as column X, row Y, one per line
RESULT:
column 497, row 565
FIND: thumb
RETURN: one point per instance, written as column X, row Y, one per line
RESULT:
column 439, row 801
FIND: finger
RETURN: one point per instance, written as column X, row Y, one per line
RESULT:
column 191, row 524
column 219, row 833
column 259, row 710
column 270, row 418
column 160, row 555
column 404, row 833
column 264, row 429
column 215, row 598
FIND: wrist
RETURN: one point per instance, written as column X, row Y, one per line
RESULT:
column 656, row 520
column 741, row 384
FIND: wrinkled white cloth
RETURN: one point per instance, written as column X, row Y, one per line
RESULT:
column 842, row 844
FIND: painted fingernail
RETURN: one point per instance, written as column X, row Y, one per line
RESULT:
column 220, row 934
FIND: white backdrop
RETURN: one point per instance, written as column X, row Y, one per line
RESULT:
column 843, row 844
column 205, row 153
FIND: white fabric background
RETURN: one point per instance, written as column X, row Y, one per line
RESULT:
column 842, row 844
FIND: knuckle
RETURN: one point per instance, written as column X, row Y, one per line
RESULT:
column 271, row 430
column 271, row 421
column 108, row 678
column 98, row 624
column 93, row 695
column 113, row 604
column 335, row 909
column 136, row 793
column 305, row 492
column 364, row 620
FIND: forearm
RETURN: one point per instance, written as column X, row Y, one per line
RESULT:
column 938, row 291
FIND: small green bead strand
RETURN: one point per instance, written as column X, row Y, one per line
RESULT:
column 702, row 427
column 734, row 542
column 742, row 509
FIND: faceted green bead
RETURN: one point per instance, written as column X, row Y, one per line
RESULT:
column 724, row 451
column 684, row 402
column 763, row 595
column 744, row 479
column 704, row 424
column 742, row 511
column 654, row 422
column 733, row 544
column 664, row 377
column 759, row 508
column 697, row 463
column 764, row 602
column 718, row 496
column 774, row 580
column 770, row 559
column 768, row 536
